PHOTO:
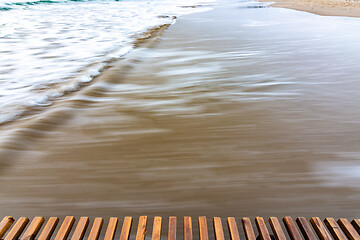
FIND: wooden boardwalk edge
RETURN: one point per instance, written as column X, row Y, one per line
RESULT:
column 41, row 229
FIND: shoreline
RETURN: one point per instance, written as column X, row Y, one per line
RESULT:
column 342, row 8
column 233, row 111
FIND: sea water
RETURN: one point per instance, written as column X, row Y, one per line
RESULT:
column 51, row 47
column 245, row 110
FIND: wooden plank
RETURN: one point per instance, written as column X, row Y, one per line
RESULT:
column 187, row 228
column 126, row 228
column 80, row 229
column 172, row 228
column 261, row 226
column 248, row 229
column 291, row 228
column 276, row 228
column 156, row 234
column 233, row 229
column 334, row 229
column 96, row 229
column 348, row 229
column 203, row 229
column 141, row 230
column 320, row 229
column 111, row 229
column 305, row 229
column 5, row 224
column 49, row 228
column 33, row 228
column 65, row 228
column 356, row 224
column 17, row 229
column 219, row 232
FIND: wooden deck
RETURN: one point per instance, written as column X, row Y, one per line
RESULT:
column 301, row 228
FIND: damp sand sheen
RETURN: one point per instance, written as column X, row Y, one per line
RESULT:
column 228, row 112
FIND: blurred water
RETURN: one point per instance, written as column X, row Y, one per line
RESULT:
column 244, row 110
column 49, row 48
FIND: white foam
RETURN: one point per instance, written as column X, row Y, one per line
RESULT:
column 47, row 50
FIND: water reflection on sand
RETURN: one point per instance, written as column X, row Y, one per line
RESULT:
column 238, row 111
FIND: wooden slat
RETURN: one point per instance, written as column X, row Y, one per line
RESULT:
column 80, row 228
column 334, row 229
column 219, row 232
column 156, row 234
column 356, row 224
column 187, row 228
column 172, row 228
column 49, row 228
column 141, row 230
column 305, row 229
column 248, row 229
column 320, row 229
column 276, row 228
column 33, row 228
column 65, row 228
column 96, row 229
column 5, row 224
column 110, row 231
column 17, row 229
column 291, row 228
column 261, row 226
column 126, row 227
column 203, row 229
column 340, row 230
column 348, row 229
column 233, row 229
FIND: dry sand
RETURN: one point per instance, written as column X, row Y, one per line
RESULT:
column 322, row 7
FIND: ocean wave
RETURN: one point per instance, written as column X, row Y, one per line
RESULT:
column 48, row 50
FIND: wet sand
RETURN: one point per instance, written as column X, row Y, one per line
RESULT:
column 222, row 116
column 321, row 7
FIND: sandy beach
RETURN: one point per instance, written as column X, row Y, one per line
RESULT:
column 219, row 114
column 345, row 8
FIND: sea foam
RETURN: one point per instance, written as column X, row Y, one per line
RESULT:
column 49, row 48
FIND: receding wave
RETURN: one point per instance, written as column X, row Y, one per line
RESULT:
column 11, row 4
column 50, row 50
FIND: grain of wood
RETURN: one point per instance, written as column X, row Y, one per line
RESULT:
column 356, row 224
column 126, row 228
column 111, row 228
column 276, row 228
column 141, row 230
column 80, row 229
column 261, row 226
column 203, row 229
column 320, row 229
column 291, row 228
column 305, row 229
column 348, row 229
column 156, row 234
column 17, row 229
column 65, row 228
column 248, row 229
column 172, row 228
column 219, row 232
column 334, row 229
column 233, row 229
column 5, row 224
column 33, row 228
column 96, row 229
column 49, row 228
column 187, row 228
